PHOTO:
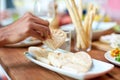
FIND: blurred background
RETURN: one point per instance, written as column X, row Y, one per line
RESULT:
column 108, row 10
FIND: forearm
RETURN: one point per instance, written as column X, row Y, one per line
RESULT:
column 28, row 25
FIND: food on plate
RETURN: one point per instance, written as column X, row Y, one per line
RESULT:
column 40, row 54
column 55, row 22
column 118, row 58
column 58, row 37
column 115, row 41
column 105, row 39
column 79, row 62
column 76, row 62
column 112, row 39
column 83, row 37
column 116, row 54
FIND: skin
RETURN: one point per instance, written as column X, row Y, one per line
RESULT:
column 28, row 25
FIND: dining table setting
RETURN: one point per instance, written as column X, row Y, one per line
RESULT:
column 81, row 49
column 20, row 65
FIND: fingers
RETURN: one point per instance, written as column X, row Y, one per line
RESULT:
column 37, row 35
column 40, row 21
column 36, row 27
column 42, row 31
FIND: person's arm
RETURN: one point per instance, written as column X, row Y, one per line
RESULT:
column 28, row 25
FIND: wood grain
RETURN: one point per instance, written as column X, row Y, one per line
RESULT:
column 19, row 67
column 101, row 46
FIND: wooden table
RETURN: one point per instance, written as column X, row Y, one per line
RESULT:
column 19, row 67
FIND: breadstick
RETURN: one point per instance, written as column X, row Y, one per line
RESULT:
column 80, row 31
column 72, row 15
column 81, row 40
column 80, row 9
column 86, row 21
column 89, row 29
column 54, row 23
column 90, row 20
column 82, row 34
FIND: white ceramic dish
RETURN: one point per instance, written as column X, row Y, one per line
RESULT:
column 95, row 70
column 27, row 42
column 111, row 59
column 3, row 73
column 102, row 26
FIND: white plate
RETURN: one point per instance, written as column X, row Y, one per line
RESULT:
column 111, row 59
column 102, row 26
column 95, row 70
column 27, row 42
column 3, row 73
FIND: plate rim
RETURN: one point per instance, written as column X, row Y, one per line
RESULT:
column 24, row 44
column 111, row 66
column 107, row 55
column 95, row 22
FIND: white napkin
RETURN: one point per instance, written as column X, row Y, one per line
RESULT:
column 3, row 74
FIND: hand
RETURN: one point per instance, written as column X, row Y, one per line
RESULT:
column 28, row 25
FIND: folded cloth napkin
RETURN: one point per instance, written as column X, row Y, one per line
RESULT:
column 3, row 74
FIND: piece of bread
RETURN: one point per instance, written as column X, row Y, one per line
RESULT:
column 58, row 37
column 40, row 54
column 78, row 62
column 105, row 39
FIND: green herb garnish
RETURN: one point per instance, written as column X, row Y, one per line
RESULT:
column 117, row 58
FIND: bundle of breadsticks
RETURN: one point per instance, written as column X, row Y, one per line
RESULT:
column 83, row 32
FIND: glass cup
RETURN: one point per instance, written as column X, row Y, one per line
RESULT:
column 84, row 45
column 67, row 44
column 45, row 9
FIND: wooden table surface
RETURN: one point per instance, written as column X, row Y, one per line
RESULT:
column 19, row 67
